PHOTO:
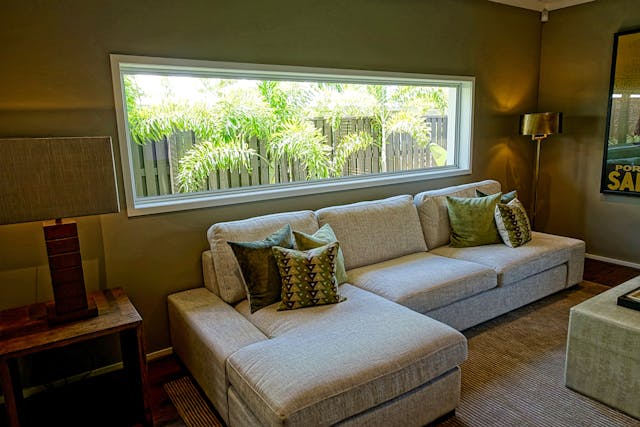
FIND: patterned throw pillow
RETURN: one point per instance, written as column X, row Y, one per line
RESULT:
column 308, row 277
column 322, row 237
column 506, row 197
column 259, row 267
column 513, row 223
column 471, row 220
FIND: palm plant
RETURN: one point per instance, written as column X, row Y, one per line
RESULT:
column 300, row 140
column 225, row 124
column 402, row 110
column 206, row 157
column 394, row 109
column 347, row 146
column 277, row 114
column 293, row 138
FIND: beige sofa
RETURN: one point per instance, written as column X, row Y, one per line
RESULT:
column 374, row 359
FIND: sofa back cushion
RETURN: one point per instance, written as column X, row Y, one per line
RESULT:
column 432, row 209
column 375, row 231
column 229, row 280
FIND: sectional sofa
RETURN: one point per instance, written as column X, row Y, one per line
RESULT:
column 390, row 353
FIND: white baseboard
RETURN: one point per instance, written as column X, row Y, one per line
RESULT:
column 30, row 391
column 613, row 261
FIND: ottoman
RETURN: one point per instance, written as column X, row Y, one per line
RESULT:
column 603, row 350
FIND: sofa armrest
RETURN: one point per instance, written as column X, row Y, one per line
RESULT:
column 575, row 265
column 205, row 331
column 209, row 273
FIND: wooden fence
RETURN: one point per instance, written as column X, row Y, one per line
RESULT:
column 155, row 164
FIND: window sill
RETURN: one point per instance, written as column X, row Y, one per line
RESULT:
column 176, row 203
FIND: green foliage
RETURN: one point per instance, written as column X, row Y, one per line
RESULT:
column 132, row 93
column 411, row 124
column 303, row 142
column 203, row 158
column 230, row 113
column 347, row 146
column 439, row 154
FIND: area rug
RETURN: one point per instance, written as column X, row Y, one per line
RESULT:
column 514, row 375
column 193, row 409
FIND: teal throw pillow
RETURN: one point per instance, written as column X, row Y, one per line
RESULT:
column 308, row 277
column 513, row 223
column 472, row 220
column 322, row 237
column 506, row 197
column 259, row 267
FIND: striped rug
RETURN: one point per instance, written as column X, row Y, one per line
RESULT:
column 514, row 376
column 193, row 410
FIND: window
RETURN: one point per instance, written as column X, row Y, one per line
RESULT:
column 200, row 133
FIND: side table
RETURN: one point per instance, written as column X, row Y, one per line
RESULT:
column 116, row 316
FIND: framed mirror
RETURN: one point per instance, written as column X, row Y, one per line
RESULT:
column 621, row 163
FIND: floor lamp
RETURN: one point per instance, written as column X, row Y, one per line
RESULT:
column 539, row 126
column 51, row 179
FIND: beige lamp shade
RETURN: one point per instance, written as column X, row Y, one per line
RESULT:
column 540, row 125
column 50, row 178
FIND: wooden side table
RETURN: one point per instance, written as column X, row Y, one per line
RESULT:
column 116, row 316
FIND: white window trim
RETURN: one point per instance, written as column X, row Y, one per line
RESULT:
column 464, row 107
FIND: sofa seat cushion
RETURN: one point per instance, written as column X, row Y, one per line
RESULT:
column 424, row 281
column 324, row 364
column 543, row 252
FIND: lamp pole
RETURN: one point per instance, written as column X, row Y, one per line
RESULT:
column 539, row 126
column 538, row 139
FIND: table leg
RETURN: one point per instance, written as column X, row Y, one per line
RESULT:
column 11, row 389
column 134, row 360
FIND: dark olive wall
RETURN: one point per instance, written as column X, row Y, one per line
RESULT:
column 55, row 81
column 577, row 45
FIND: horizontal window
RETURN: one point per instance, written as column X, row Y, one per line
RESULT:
column 199, row 133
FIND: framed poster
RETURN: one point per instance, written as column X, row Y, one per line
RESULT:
column 621, row 162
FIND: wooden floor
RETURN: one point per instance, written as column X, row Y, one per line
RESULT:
column 94, row 401
column 607, row 274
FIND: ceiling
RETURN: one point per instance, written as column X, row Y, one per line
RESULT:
column 539, row 5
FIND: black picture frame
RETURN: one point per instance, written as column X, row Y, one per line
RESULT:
column 631, row 299
column 621, row 158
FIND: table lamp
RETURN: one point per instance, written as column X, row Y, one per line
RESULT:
column 51, row 179
column 539, row 126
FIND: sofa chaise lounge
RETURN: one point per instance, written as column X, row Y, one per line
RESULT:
column 390, row 353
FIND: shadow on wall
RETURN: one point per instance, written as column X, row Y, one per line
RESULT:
column 24, row 270
column 515, row 165
column 569, row 170
column 510, row 159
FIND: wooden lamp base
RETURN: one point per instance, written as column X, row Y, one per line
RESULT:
column 55, row 318
column 67, row 278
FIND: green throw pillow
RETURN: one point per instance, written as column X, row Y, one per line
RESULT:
column 472, row 222
column 320, row 238
column 259, row 267
column 513, row 223
column 308, row 277
column 506, row 197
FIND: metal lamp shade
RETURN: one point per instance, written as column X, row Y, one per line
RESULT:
column 540, row 125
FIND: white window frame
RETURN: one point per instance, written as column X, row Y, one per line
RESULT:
column 463, row 108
